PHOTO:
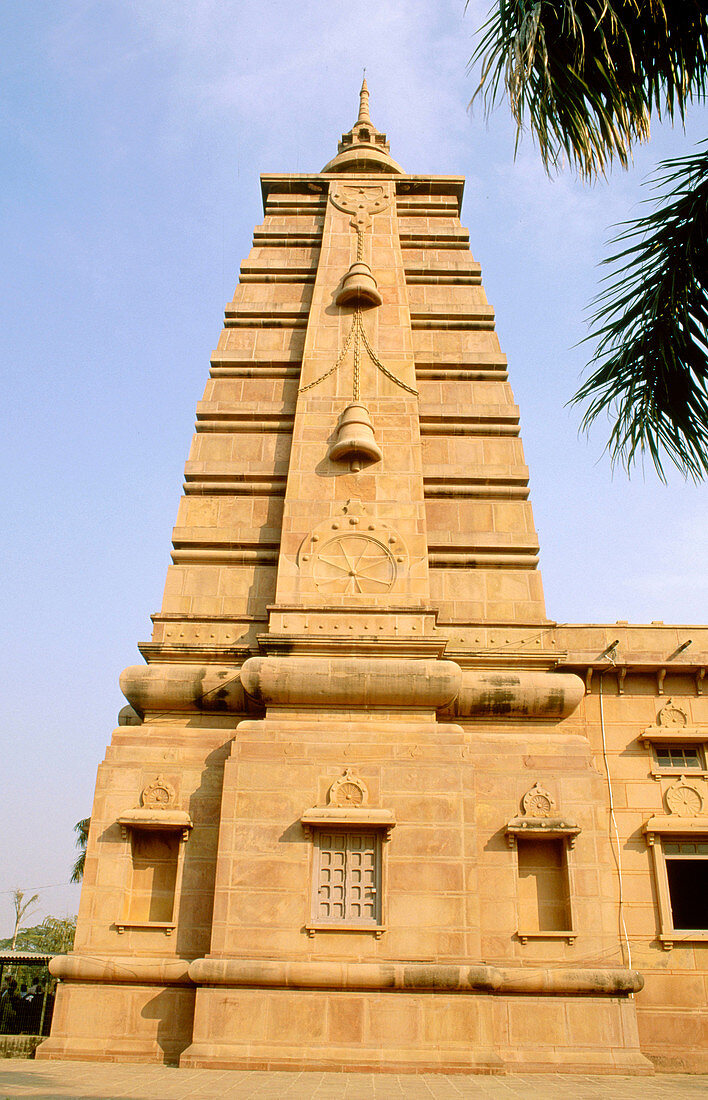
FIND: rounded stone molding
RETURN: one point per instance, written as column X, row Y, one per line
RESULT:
column 158, row 687
column 117, row 968
column 350, row 681
column 413, row 976
column 487, row 693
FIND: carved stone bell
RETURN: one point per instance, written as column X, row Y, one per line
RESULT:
column 355, row 438
column 359, row 287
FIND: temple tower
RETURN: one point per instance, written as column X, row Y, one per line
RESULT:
column 353, row 815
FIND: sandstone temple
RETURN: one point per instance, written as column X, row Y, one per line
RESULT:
column 369, row 807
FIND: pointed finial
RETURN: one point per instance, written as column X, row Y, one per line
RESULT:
column 364, row 115
column 363, row 148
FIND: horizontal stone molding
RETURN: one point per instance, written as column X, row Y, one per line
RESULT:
column 275, row 277
column 488, row 693
column 183, row 687
column 265, row 322
column 414, row 977
column 216, row 555
column 501, row 423
column 446, row 324
column 233, row 422
column 350, row 681
column 293, row 272
column 266, row 241
column 505, row 558
column 223, row 485
column 118, row 968
column 454, row 488
column 474, row 374
column 434, row 279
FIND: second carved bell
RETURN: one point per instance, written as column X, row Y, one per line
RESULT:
column 355, row 441
column 359, row 287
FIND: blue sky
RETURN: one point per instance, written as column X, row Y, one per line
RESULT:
column 134, row 133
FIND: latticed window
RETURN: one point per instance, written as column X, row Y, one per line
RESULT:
column 347, row 878
column 678, row 756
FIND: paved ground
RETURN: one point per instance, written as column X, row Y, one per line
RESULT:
column 98, row 1081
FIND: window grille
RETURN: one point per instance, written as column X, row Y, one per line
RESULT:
column 347, row 878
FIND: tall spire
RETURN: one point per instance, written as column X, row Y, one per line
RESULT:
column 363, row 148
column 364, row 115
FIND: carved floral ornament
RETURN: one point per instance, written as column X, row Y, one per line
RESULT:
column 671, row 715
column 157, row 811
column 348, row 790
column 540, row 818
column 684, row 799
column 348, row 808
column 159, row 795
column 538, row 802
column 353, row 554
column 361, row 201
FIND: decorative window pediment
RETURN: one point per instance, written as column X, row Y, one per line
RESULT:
column 158, row 811
column 540, row 818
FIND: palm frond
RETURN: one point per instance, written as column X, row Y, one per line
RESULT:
column 585, row 75
column 650, row 325
column 81, row 828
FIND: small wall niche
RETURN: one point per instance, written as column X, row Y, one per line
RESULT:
column 155, row 832
column 542, row 838
column 151, row 898
column 544, row 890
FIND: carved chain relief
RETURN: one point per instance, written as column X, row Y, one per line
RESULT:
column 361, row 201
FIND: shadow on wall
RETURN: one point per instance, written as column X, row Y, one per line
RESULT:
column 174, row 1011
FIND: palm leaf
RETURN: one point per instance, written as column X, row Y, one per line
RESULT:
column 81, row 828
column 650, row 325
column 585, row 75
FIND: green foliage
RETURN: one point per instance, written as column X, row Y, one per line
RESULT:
column 54, row 936
column 585, row 75
column 651, row 324
column 81, row 828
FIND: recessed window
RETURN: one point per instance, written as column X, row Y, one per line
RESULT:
column 347, row 878
column 152, row 891
column 687, row 874
column 681, row 757
column 544, row 896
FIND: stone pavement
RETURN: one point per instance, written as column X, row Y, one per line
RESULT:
column 102, row 1081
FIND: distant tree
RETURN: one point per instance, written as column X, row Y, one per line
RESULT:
column 81, row 828
column 21, row 905
column 54, row 936
column 586, row 76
